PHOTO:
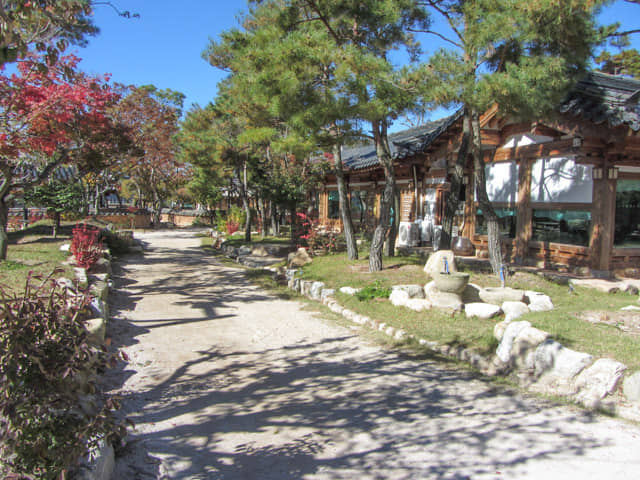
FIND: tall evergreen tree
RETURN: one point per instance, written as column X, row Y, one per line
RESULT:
column 522, row 56
column 357, row 75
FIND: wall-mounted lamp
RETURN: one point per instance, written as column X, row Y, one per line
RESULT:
column 577, row 142
column 613, row 173
column 596, row 173
column 465, row 179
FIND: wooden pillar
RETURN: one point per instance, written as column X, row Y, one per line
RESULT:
column 524, row 212
column 603, row 213
column 323, row 207
column 470, row 210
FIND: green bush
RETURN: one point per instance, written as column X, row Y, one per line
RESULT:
column 375, row 290
column 50, row 415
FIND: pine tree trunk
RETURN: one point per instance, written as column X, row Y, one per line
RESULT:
column 493, row 226
column 345, row 207
column 263, row 217
column 390, row 244
column 56, row 224
column 452, row 197
column 386, row 201
column 4, row 221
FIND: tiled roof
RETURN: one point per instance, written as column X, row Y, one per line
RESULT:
column 601, row 98
column 403, row 144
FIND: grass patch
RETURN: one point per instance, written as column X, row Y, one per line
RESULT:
column 32, row 252
column 563, row 324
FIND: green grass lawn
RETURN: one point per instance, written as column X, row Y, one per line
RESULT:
column 33, row 250
column 562, row 323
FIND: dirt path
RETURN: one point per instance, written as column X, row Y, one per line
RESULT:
column 226, row 382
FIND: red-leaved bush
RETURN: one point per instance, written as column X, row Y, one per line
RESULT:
column 51, row 415
column 86, row 246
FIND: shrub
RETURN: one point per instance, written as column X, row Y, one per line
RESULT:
column 376, row 290
column 307, row 231
column 86, row 246
column 232, row 221
column 47, row 420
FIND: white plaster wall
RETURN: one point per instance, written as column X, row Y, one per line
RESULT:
column 502, row 182
column 561, row 180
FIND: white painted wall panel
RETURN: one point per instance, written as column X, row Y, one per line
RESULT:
column 561, row 180
column 502, row 182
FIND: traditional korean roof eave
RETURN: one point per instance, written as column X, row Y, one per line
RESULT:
column 406, row 144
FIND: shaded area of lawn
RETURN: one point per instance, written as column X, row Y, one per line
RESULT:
column 33, row 250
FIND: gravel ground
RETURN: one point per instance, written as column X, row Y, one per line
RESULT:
column 227, row 382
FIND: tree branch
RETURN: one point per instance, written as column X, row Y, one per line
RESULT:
column 432, row 32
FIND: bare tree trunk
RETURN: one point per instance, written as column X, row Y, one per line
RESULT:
column 56, row 224
column 384, row 157
column 263, row 217
column 345, row 207
column 4, row 221
column 393, row 227
column 275, row 228
column 245, row 203
column 452, row 197
column 493, row 226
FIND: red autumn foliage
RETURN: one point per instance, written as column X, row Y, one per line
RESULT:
column 86, row 246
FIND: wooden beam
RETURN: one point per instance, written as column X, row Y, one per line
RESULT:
column 524, row 212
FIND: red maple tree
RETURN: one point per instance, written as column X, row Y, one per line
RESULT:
column 50, row 117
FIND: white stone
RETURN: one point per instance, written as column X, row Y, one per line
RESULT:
column 399, row 298
column 513, row 310
column 554, row 358
column 443, row 300
column 349, row 290
column 523, row 349
column 498, row 330
column 335, row 307
column 299, row 258
column 481, row 310
column 631, row 387
column 65, row 247
column 414, row 291
column 498, row 295
column 400, row 334
column 316, row 290
column 348, row 314
column 538, row 302
column 97, row 329
column 390, row 331
column 327, row 293
column 598, row 381
column 435, row 263
column 418, row 304
column 504, row 349
column 631, row 308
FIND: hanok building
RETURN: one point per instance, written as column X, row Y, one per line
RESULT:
column 566, row 189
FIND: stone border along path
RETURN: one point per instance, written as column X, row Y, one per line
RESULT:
column 228, row 382
column 540, row 364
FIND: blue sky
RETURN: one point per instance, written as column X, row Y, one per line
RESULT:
column 163, row 47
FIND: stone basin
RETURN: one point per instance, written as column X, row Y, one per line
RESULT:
column 454, row 282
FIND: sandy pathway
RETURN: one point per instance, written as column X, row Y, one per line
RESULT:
column 226, row 382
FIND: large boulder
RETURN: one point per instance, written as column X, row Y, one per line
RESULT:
column 557, row 368
column 481, row 310
column 538, row 302
column 508, row 336
column 443, row 300
column 498, row 295
column 435, row 263
column 598, row 381
column 414, row 291
column 299, row 259
column 513, row 310
column 398, row 298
